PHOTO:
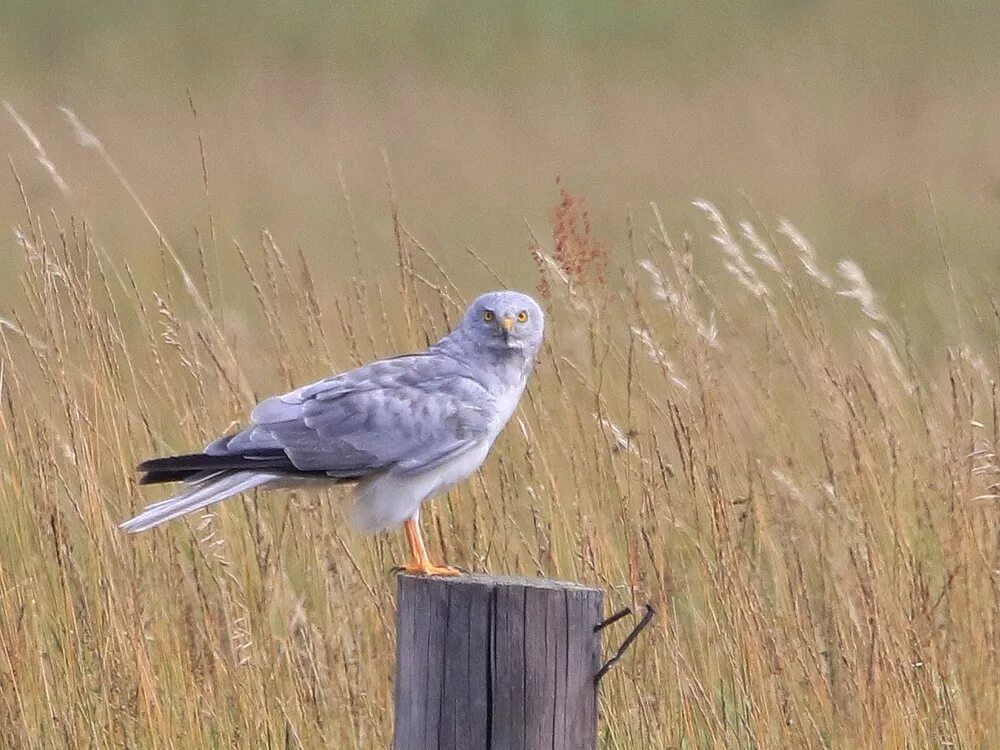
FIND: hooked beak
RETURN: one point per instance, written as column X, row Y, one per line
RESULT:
column 506, row 323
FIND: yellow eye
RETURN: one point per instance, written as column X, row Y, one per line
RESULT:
column 488, row 316
column 522, row 316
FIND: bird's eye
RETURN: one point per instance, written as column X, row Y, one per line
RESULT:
column 488, row 316
column 522, row 316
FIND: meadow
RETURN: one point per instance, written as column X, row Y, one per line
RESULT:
column 812, row 510
column 765, row 238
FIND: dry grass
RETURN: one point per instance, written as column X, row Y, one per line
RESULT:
column 814, row 513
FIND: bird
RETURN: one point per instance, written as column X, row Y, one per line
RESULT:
column 401, row 429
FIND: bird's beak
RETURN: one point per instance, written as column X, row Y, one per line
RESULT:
column 507, row 323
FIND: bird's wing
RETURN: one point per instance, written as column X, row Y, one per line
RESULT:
column 407, row 414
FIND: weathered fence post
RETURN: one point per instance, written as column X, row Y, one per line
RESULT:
column 496, row 663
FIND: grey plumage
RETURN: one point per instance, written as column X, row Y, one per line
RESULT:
column 402, row 429
column 200, row 493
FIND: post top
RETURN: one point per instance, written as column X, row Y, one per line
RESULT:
column 495, row 581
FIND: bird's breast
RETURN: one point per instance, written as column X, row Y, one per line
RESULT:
column 505, row 404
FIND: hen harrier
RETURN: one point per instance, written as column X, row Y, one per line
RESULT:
column 401, row 429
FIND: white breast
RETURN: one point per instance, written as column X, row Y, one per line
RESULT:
column 506, row 403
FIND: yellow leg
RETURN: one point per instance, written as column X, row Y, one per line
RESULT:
column 420, row 563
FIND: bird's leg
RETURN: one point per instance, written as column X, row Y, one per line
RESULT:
column 420, row 563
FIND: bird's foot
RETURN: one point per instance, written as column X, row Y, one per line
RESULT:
column 429, row 569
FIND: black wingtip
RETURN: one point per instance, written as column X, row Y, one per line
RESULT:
column 167, row 469
column 165, row 477
column 187, row 461
column 181, row 468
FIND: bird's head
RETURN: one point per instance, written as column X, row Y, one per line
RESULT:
column 506, row 320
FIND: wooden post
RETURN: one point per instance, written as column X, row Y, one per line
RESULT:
column 496, row 663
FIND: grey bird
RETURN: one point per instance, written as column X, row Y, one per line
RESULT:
column 401, row 429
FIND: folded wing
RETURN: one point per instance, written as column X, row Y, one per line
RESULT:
column 400, row 414
column 403, row 415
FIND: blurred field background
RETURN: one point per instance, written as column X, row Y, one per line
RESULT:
column 794, row 459
column 839, row 115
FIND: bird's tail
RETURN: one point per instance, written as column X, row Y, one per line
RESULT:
column 200, row 492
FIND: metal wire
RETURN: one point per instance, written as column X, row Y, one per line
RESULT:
column 640, row 626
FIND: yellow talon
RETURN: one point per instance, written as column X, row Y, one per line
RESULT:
column 420, row 564
column 430, row 570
